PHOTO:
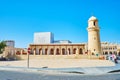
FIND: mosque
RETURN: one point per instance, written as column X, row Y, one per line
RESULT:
column 71, row 49
column 47, row 49
column 94, row 45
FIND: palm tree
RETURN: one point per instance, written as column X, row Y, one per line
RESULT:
column 2, row 46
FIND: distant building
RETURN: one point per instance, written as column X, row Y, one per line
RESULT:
column 107, row 48
column 43, row 38
column 10, row 43
column 110, row 48
column 63, row 41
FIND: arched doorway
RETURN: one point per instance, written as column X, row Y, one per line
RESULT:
column 63, row 51
column 57, row 52
column 40, row 51
column 110, row 52
column 51, row 51
column 74, row 51
column 118, row 53
column 80, row 51
column 106, row 53
column 46, row 51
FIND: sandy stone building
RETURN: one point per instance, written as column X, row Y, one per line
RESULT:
column 57, row 49
column 107, row 48
column 12, row 52
column 94, row 44
column 110, row 48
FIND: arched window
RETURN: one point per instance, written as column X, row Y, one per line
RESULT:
column 94, row 23
column 93, row 53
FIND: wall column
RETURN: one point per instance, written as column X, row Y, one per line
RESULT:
column 60, row 50
column 83, row 51
column 21, row 52
column 77, row 51
column 15, row 52
column 41, row 51
column 54, row 51
column 71, row 51
column 48, row 51
column 67, row 52
column 34, row 52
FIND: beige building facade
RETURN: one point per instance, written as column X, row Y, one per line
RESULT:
column 110, row 48
column 107, row 48
column 12, row 52
column 57, row 49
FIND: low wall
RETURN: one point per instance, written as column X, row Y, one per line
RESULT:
column 57, row 56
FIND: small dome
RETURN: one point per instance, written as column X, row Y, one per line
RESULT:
column 92, row 18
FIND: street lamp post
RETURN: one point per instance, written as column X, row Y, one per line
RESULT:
column 28, row 61
column 28, row 58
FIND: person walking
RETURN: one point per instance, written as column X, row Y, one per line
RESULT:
column 114, row 58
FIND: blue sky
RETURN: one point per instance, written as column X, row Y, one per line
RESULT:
column 67, row 19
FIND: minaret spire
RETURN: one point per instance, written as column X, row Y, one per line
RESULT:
column 94, row 44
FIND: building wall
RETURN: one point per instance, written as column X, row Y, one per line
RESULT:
column 110, row 48
column 11, row 52
column 57, row 49
column 10, row 43
column 43, row 38
column 107, row 48
column 62, row 41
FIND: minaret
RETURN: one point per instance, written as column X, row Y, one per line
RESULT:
column 94, row 44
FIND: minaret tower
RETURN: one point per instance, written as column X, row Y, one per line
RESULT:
column 94, row 44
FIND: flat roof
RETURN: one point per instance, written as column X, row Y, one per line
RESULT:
column 72, row 44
